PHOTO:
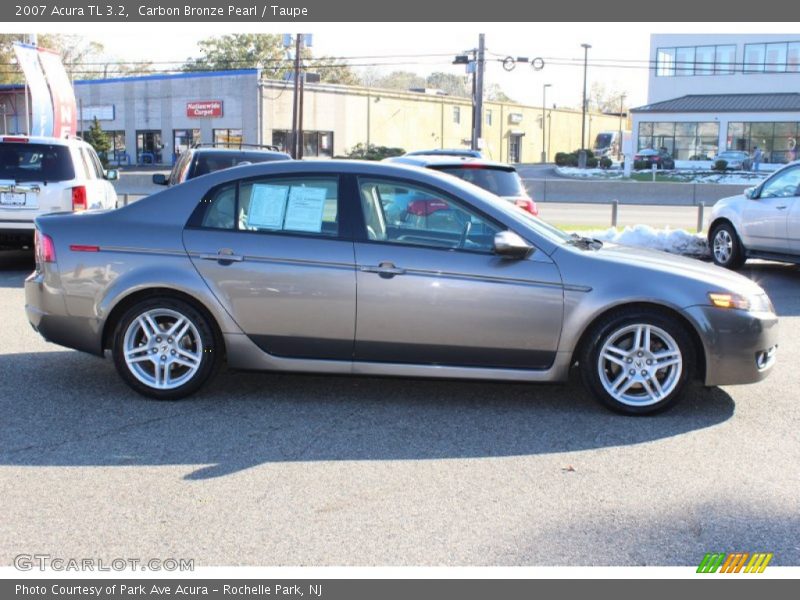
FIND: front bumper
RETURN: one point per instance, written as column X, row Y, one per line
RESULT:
column 736, row 344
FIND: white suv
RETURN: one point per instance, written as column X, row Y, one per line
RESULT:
column 39, row 175
column 763, row 222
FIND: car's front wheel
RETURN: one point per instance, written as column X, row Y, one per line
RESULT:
column 726, row 248
column 164, row 348
column 637, row 362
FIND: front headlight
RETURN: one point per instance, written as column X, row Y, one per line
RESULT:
column 757, row 302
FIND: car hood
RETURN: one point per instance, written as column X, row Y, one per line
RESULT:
column 671, row 267
column 730, row 202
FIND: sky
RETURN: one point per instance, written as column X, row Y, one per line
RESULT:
column 558, row 44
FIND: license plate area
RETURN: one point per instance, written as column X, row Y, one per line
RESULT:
column 13, row 198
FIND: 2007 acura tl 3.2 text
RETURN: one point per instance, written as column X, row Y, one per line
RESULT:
column 378, row 269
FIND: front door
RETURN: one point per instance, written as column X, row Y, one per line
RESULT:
column 271, row 252
column 765, row 220
column 431, row 291
column 514, row 148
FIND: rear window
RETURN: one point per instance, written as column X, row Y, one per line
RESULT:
column 500, row 182
column 35, row 162
column 208, row 162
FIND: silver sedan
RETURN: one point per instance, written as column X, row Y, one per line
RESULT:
column 309, row 266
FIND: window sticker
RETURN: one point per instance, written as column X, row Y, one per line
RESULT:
column 267, row 206
column 304, row 211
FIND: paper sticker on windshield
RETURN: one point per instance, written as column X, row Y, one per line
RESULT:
column 304, row 211
column 267, row 206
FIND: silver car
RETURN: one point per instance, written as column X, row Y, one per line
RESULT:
column 293, row 266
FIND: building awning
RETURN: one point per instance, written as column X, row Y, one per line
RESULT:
column 718, row 103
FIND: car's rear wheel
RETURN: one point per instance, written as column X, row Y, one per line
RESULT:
column 637, row 362
column 164, row 348
column 726, row 248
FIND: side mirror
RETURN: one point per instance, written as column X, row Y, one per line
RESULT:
column 509, row 245
column 112, row 174
column 160, row 179
column 751, row 193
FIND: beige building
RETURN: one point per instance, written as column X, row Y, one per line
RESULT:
column 416, row 120
column 152, row 118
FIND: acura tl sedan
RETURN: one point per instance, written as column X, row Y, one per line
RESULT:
column 294, row 266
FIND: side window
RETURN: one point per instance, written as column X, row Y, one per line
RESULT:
column 405, row 214
column 300, row 204
column 98, row 166
column 221, row 210
column 782, row 186
column 84, row 172
column 180, row 166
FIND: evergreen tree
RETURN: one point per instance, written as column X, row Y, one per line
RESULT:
column 98, row 140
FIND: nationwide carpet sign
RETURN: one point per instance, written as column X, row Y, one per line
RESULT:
column 204, row 109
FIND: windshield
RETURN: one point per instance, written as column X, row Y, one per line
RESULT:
column 603, row 140
column 501, row 182
column 35, row 162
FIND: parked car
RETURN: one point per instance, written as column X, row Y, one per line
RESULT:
column 737, row 161
column 294, row 266
column 762, row 222
column 208, row 158
column 499, row 178
column 446, row 152
column 39, row 175
column 661, row 158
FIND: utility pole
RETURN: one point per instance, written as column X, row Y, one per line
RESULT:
column 619, row 139
column 296, row 100
column 544, row 125
column 477, row 102
column 583, row 118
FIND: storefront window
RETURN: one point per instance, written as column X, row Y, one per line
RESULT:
column 684, row 140
column 665, row 62
column 183, row 139
column 684, row 59
column 704, row 60
column 776, row 140
column 725, row 60
column 228, row 137
column 775, row 59
column 754, row 58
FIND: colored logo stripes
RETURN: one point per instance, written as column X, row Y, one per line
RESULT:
column 734, row 562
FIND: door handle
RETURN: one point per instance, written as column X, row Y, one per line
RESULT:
column 781, row 207
column 384, row 268
column 224, row 256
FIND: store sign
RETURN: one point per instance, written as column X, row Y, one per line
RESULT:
column 101, row 112
column 204, row 108
column 515, row 118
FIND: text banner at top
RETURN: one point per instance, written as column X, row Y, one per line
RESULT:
column 266, row 11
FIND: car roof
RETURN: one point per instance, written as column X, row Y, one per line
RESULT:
column 443, row 161
column 211, row 150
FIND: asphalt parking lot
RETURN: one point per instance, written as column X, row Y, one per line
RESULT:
column 268, row 469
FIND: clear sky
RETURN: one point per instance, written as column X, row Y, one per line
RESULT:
column 559, row 44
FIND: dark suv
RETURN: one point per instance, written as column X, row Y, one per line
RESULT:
column 498, row 178
column 207, row 158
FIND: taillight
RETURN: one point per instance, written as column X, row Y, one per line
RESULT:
column 79, row 198
column 15, row 140
column 528, row 205
column 45, row 249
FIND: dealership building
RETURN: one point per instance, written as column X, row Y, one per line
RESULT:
column 152, row 118
column 710, row 93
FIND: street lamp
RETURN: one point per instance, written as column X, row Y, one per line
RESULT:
column 619, row 139
column 583, row 115
column 544, row 125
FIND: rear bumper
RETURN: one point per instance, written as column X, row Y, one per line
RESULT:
column 47, row 314
column 735, row 342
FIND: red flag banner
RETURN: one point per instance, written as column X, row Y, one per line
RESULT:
column 65, row 110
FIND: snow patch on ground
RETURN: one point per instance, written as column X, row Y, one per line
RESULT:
column 589, row 173
column 675, row 241
column 692, row 174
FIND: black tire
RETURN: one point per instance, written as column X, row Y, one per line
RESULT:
column 640, row 401
column 208, row 349
column 723, row 236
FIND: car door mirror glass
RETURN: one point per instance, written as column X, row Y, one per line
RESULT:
column 112, row 175
column 160, row 179
column 510, row 245
column 751, row 193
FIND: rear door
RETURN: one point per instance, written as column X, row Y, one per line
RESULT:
column 431, row 290
column 275, row 254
